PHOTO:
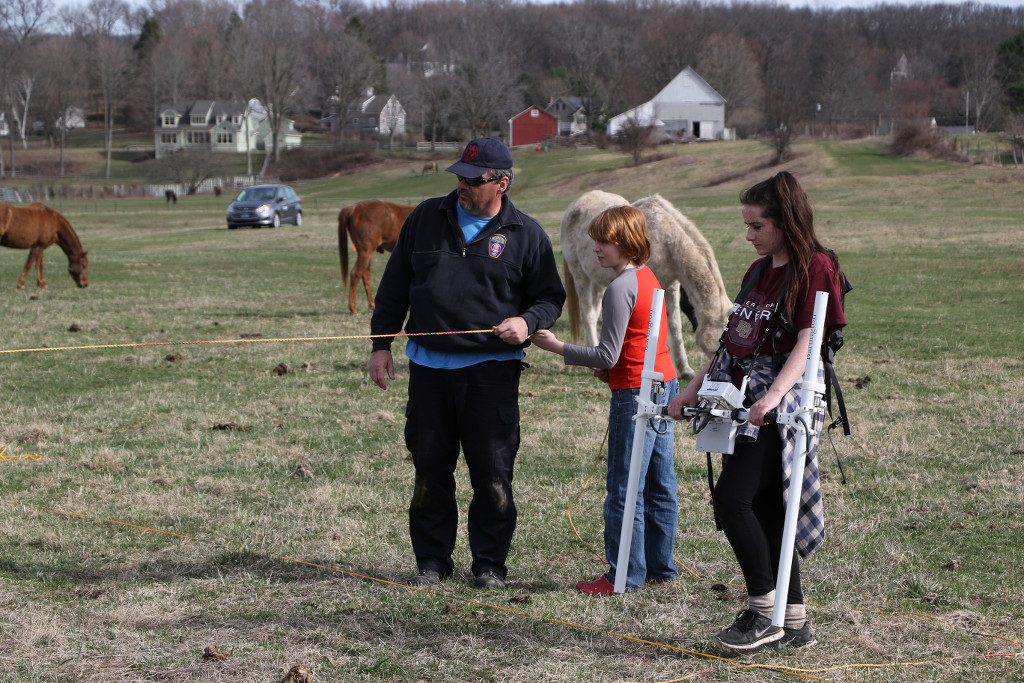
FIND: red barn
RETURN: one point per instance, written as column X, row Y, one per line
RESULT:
column 530, row 126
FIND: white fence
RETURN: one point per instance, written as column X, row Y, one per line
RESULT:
column 207, row 186
column 426, row 146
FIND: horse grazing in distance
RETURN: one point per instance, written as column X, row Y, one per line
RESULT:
column 429, row 166
column 171, row 196
column 36, row 227
column 681, row 258
column 373, row 226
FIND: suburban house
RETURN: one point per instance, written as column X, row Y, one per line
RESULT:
column 74, row 117
column 685, row 108
column 571, row 115
column 371, row 116
column 218, row 126
column 530, row 127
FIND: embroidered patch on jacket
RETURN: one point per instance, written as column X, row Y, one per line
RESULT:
column 496, row 246
column 743, row 329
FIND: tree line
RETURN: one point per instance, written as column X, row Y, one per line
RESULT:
column 462, row 69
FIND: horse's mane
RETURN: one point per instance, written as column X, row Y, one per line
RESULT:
column 67, row 238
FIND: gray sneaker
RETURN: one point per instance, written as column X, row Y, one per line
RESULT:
column 425, row 577
column 751, row 631
column 489, row 580
column 797, row 637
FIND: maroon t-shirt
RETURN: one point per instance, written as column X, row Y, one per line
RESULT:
column 747, row 325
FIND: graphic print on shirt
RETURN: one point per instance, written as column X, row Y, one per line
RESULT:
column 752, row 316
column 748, row 326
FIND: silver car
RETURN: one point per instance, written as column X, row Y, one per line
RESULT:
column 261, row 205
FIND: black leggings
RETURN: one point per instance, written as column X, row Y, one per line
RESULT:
column 749, row 508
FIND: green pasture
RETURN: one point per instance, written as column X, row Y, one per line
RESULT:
column 153, row 504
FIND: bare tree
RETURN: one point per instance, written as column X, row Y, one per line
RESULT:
column 60, row 76
column 19, row 20
column 977, row 63
column 441, row 107
column 583, row 62
column 634, row 137
column 102, row 27
column 189, row 168
column 840, row 81
column 729, row 65
column 343, row 65
column 275, row 40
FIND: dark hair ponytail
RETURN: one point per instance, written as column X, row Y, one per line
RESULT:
column 784, row 202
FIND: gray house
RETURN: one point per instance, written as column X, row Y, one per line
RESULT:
column 218, row 126
column 571, row 114
column 685, row 108
column 373, row 115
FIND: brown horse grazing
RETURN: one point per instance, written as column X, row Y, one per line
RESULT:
column 36, row 227
column 374, row 226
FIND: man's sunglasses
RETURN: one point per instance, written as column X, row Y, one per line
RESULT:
column 477, row 182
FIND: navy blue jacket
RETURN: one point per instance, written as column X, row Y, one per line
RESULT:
column 445, row 284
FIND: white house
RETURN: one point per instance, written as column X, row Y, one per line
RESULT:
column 686, row 107
column 218, row 126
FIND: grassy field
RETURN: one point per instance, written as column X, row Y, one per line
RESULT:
column 159, row 500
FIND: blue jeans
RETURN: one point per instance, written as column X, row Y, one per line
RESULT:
column 657, row 510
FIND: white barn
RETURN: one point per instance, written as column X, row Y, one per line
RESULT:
column 686, row 107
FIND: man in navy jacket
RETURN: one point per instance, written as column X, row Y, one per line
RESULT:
column 466, row 261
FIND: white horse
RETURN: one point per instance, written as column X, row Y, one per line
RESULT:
column 680, row 256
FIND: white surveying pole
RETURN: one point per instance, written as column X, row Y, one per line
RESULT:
column 803, row 421
column 647, row 380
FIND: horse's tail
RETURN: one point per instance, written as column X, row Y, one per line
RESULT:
column 572, row 303
column 343, row 218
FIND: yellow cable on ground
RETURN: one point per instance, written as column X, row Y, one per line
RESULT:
column 241, row 341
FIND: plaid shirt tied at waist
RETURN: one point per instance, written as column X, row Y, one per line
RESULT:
column 810, row 526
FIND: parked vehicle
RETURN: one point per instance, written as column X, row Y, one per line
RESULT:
column 260, row 205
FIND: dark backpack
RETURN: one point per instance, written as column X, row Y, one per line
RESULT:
column 829, row 347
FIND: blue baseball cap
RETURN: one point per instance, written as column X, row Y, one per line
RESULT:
column 481, row 155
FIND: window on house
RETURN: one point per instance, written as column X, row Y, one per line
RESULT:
column 198, row 120
column 169, row 138
column 534, row 113
column 225, row 138
column 169, row 120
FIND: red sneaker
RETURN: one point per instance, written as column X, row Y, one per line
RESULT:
column 601, row 586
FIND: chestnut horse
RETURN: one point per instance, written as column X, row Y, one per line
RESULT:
column 374, row 226
column 36, row 227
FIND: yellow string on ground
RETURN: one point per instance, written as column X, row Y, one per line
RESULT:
column 23, row 456
column 315, row 565
column 246, row 340
column 802, row 673
column 784, row 669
